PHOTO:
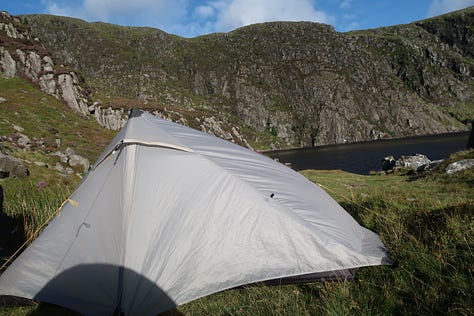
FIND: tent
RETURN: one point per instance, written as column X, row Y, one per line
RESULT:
column 169, row 214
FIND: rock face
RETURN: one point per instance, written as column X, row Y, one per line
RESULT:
column 295, row 84
column 459, row 166
column 110, row 118
column 21, row 56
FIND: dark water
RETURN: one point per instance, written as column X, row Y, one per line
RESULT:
column 362, row 158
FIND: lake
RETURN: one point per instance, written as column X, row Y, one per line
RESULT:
column 364, row 157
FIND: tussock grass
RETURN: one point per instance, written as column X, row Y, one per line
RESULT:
column 32, row 204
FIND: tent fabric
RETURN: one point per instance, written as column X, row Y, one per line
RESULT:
column 169, row 214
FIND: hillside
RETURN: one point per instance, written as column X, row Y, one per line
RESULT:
column 284, row 83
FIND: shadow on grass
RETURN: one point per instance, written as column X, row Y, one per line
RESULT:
column 12, row 234
column 102, row 289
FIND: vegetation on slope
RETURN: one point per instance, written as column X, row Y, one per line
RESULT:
column 302, row 83
column 44, row 120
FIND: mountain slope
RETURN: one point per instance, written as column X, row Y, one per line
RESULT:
column 285, row 83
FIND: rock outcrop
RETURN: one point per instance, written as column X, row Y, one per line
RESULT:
column 417, row 163
column 459, row 166
column 22, row 56
column 414, row 162
column 276, row 84
column 285, row 84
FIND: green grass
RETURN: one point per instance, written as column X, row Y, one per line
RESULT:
column 42, row 116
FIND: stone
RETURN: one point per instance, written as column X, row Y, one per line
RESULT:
column 7, row 63
column 110, row 118
column 76, row 160
column 430, row 166
column 62, row 156
column 4, row 150
column 48, row 84
column 12, row 167
column 413, row 162
column 459, row 166
column 48, row 64
column 59, row 167
column 34, row 64
column 23, row 141
column 2, row 100
column 40, row 163
column 69, row 152
column 18, row 128
column 68, row 92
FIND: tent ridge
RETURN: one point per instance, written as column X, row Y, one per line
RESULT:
column 129, row 141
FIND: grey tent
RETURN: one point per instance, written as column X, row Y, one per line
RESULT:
column 169, row 214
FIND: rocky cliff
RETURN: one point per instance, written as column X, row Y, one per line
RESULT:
column 23, row 56
column 281, row 84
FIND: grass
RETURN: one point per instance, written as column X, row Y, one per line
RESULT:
column 425, row 221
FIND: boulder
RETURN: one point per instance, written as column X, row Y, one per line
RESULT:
column 59, row 167
column 23, row 141
column 62, row 156
column 413, row 162
column 458, row 166
column 17, row 128
column 76, row 160
column 64, row 170
column 69, row 152
column 429, row 166
column 12, row 167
